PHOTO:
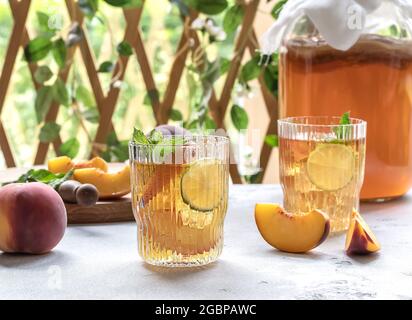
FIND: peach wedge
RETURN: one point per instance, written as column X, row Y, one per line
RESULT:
column 360, row 238
column 64, row 164
column 96, row 162
column 111, row 185
column 295, row 233
column 61, row 164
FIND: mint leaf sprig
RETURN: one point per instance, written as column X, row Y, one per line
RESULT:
column 156, row 137
column 343, row 131
column 139, row 137
column 44, row 176
column 157, row 143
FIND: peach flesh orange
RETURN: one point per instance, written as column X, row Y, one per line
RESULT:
column 360, row 238
column 111, row 185
column 295, row 233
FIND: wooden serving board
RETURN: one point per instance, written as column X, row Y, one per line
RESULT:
column 103, row 211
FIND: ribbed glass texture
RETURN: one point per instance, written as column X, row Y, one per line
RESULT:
column 321, row 165
column 180, row 196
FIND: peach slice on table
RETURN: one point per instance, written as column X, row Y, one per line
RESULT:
column 295, row 233
column 64, row 164
column 96, row 162
column 111, row 185
column 360, row 238
column 61, row 164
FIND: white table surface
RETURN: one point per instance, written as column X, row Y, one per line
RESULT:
column 101, row 262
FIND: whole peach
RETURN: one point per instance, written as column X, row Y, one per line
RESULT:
column 33, row 218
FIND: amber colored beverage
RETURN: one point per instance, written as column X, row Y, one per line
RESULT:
column 372, row 80
column 320, row 170
column 180, row 207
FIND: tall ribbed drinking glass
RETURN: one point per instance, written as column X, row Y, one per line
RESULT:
column 180, row 195
column 322, row 166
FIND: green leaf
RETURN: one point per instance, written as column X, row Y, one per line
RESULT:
column 45, row 176
column 124, row 49
column 116, row 150
column 133, row 4
column 278, row 8
column 210, row 7
column 151, row 97
column 270, row 77
column 60, row 52
column 146, row 100
column 112, row 139
column 43, row 74
column 37, row 49
column 345, row 119
column 192, row 125
column 106, row 155
column 91, row 115
column 239, row 117
column 43, row 101
column 106, row 67
column 404, row 33
column 233, row 18
column 85, row 97
column 393, row 30
column 120, row 153
column 70, row 148
column 272, row 140
column 49, row 132
column 60, row 178
column 224, row 65
column 43, row 20
column 88, row 7
column 253, row 178
column 251, row 70
column 60, row 93
column 210, row 124
column 172, row 142
column 155, row 136
column 118, row 3
column 139, row 137
column 41, row 175
column 343, row 131
column 176, row 115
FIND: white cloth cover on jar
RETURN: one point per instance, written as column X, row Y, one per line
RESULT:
column 340, row 22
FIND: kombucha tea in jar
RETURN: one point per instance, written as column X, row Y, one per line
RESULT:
column 372, row 80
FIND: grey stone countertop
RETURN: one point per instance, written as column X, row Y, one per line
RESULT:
column 101, row 262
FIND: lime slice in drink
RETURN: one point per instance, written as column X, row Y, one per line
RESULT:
column 331, row 166
column 200, row 184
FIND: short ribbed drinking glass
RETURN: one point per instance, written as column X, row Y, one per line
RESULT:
column 322, row 166
column 180, row 195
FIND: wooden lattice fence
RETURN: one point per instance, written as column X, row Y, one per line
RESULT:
column 106, row 101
